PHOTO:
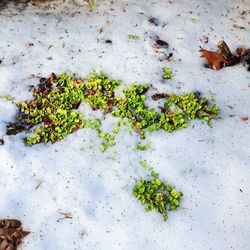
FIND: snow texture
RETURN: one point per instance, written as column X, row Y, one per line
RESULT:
column 211, row 166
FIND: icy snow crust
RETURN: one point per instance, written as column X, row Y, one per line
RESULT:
column 211, row 166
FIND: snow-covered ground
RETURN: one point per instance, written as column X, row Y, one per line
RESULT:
column 211, row 166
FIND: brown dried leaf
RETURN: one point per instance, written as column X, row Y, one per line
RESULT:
column 244, row 118
column 100, row 30
column 33, row 103
column 11, row 234
column 236, row 26
column 52, row 77
column 224, row 57
column 157, row 97
column 240, row 52
column 66, row 215
column 214, row 59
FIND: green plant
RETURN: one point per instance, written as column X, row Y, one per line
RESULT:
column 92, row 4
column 133, row 37
column 52, row 114
column 167, row 73
column 108, row 140
column 142, row 147
column 158, row 195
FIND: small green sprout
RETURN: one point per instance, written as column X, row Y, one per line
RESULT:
column 92, row 4
column 143, row 147
column 7, row 98
column 167, row 73
column 108, row 140
column 133, row 37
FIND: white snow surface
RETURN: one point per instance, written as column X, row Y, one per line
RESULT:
column 210, row 165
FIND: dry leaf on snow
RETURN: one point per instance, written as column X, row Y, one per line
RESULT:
column 244, row 118
column 11, row 234
column 218, row 60
column 214, row 59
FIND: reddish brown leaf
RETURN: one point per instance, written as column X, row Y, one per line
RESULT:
column 157, row 97
column 214, row 59
column 224, row 57
column 11, row 234
column 236, row 26
column 244, row 118
column 33, row 103
column 52, row 77
column 48, row 122
column 240, row 52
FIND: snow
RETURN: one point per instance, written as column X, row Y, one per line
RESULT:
column 211, row 166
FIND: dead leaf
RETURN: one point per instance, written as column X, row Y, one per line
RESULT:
column 11, row 234
column 153, row 21
column 241, row 52
column 160, row 44
column 214, row 59
column 100, row 30
column 157, row 97
column 224, row 57
column 244, row 118
column 108, row 41
column 39, row 183
column 52, row 77
column 33, row 103
column 66, row 215
column 236, row 26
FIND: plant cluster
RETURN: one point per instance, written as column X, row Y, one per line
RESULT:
column 52, row 114
column 167, row 73
column 158, row 195
column 53, row 107
column 142, row 147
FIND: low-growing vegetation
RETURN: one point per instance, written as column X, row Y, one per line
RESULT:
column 52, row 115
column 158, row 195
column 167, row 73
